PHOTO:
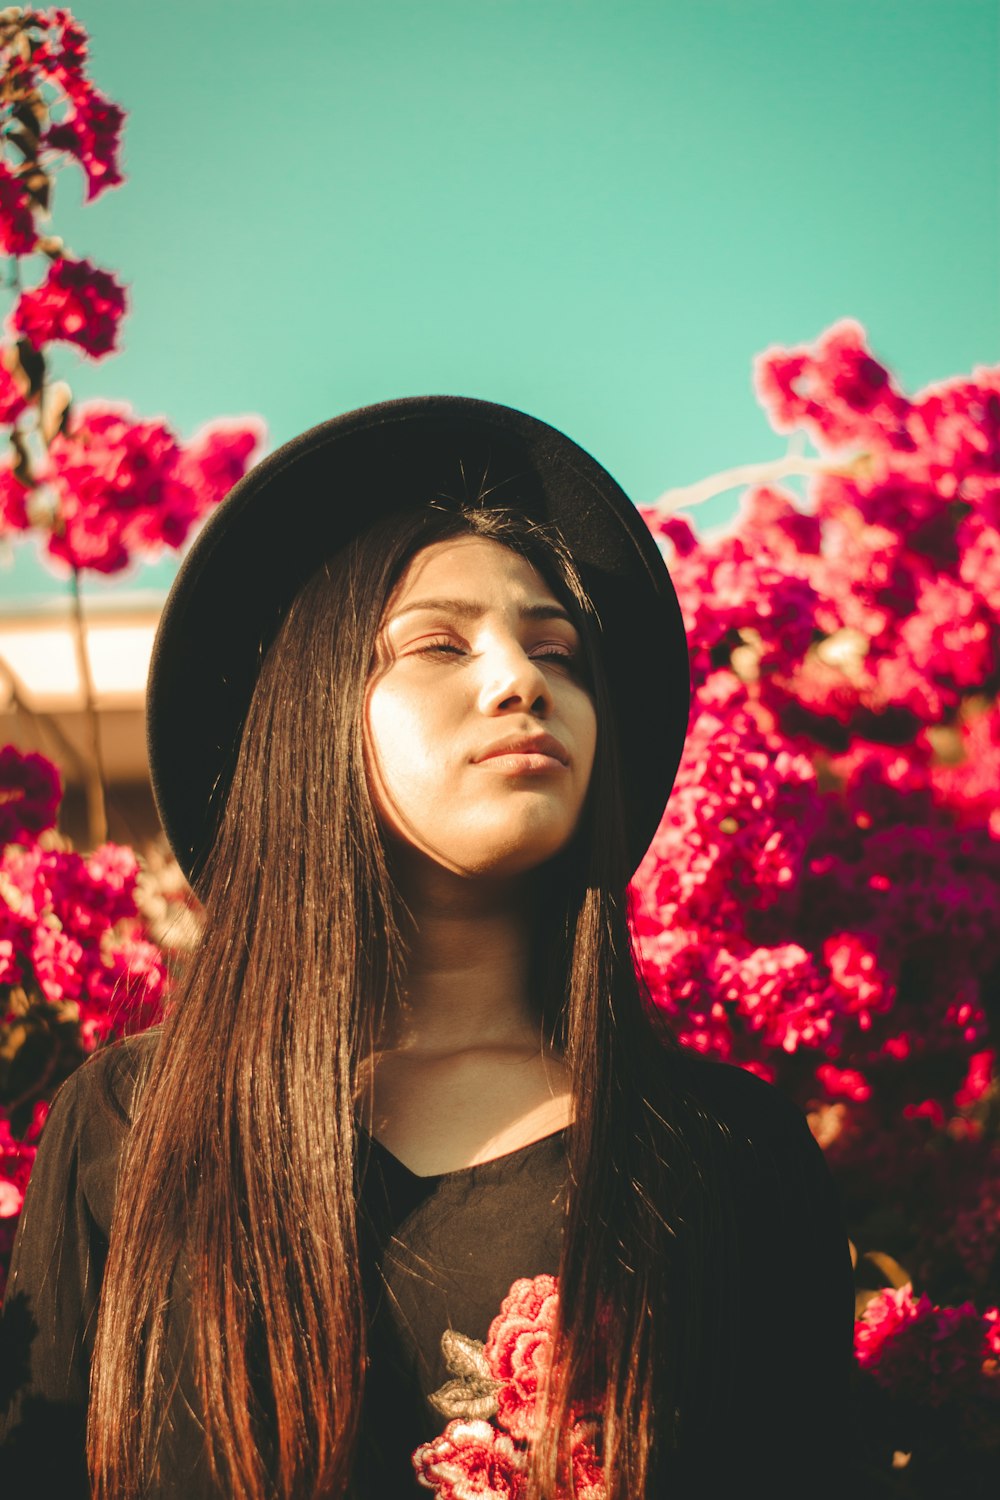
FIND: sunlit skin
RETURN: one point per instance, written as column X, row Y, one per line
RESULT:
column 468, row 840
column 452, row 681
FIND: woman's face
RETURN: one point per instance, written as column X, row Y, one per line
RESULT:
column 475, row 651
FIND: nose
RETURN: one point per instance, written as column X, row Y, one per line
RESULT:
column 513, row 679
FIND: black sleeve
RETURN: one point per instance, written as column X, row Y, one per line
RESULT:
column 50, row 1307
column 792, row 1428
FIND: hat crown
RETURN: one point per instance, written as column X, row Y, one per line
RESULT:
column 311, row 496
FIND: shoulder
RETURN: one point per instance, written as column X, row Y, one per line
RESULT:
column 745, row 1103
column 104, row 1086
column 89, row 1120
column 763, row 1134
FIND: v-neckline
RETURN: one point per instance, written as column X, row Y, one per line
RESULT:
column 475, row 1166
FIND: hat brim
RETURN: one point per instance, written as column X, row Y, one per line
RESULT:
column 309, row 498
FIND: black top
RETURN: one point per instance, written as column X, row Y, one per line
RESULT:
column 440, row 1253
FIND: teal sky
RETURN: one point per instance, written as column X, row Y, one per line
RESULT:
column 595, row 210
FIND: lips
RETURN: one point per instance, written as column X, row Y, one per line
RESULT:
column 527, row 744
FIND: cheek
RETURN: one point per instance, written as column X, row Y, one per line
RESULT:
column 586, row 737
column 398, row 739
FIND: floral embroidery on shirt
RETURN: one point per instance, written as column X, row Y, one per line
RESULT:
column 473, row 1391
column 478, row 1459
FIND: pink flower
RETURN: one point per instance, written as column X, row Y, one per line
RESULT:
column 17, row 225
column 891, row 1310
column 55, row 958
column 949, row 634
column 843, row 1083
column 30, row 792
column 12, row 404
column 218, row 455
column 11, row 1199
column 782, row 993
column 840, row 393
column 76, row 303
column 471, row 1461
column 931, row 1355
column 588, row 1469
column 91, row 132
column 475, row 1453
column 991, row 1317
column 72, row 925
column 10, row 969
column 518, row 1350
column 977, row 1079
column 127, row 488
column 64, row 50
column 125, row 983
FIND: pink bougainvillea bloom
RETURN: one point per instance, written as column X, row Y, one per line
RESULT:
column 88, row 895
column 30, row 791
column 17, row 225
column 64, row 50
column 861, row 984
column 882, row 1318
column 471, row 1460
column 978, row 1077
column 218, row 455
column 127, row 488
column 91, row 132
column 76, row 303
column 991, row 1317
column 837, row 391
column 843, row 1083
column 734, row 834
column 950, row 635
column 70, row 925
column 12, row 401
column 931, row 1356
column 11, row 1199
column 55, row 959
column 10, row 969
column 13, row 495
column 782, row 993
column 125, row 983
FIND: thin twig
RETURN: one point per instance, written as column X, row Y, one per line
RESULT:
column 731, row 479
column 45, row 723
column 93, row 783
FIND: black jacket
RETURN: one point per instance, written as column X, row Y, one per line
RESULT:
column 478, row 1229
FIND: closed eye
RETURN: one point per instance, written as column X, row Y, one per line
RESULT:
column 447, row 646
column 558, row 654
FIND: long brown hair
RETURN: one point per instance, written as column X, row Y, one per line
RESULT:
column 240, row 1167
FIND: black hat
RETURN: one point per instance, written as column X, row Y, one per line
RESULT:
column 311, row 496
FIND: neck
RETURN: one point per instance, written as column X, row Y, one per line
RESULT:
column 468, row 973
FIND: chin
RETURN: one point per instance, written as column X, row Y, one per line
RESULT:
column 515, row 858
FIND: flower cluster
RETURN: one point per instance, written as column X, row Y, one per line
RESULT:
column 30, row 793
column 101, row 485
column 76, row 962
column 76, row 303
column 50, row 108
column 46, row 88
column 931, row 1356
column 126, row 488
column 821, row 903
column 827, row 872
column 489, row 1460
column 17, row 224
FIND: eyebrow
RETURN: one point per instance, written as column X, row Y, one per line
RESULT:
column 469, row 609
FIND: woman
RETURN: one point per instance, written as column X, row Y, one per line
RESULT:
column 413, row 1190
